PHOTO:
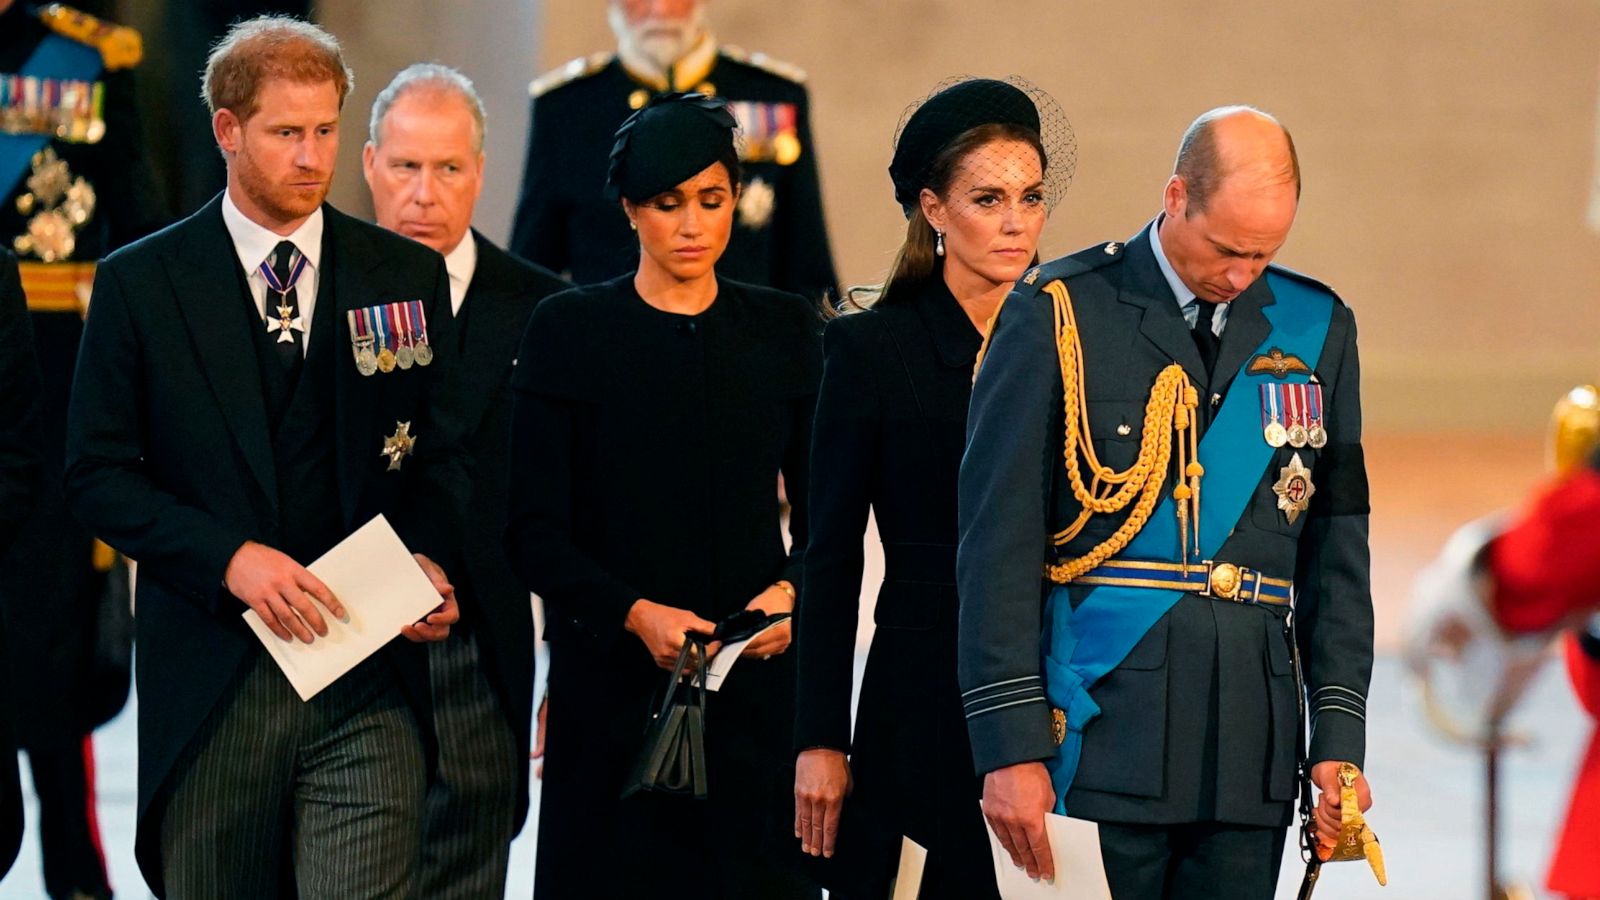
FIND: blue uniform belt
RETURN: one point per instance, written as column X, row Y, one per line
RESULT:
column 1209, row 578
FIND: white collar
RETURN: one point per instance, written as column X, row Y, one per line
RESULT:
column 461, row 262
column 254, row 242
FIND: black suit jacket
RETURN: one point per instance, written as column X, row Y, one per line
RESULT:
column 495, row 604
column 19, row 396
column 1163, row 750
column 169, row 458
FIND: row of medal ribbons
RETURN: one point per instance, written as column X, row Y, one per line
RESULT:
column 389, row 336
column 1292, row 414
column 71, row 111
column 769, row 131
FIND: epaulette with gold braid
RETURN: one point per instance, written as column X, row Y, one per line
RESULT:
column 120, row 47
column 765, row 63
column 569, row 72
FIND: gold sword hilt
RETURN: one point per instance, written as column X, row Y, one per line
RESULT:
column 1356, row 840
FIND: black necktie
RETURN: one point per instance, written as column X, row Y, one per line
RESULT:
column 1205, row 339
column 285, row 308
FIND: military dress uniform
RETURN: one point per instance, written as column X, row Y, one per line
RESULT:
column 1545, row 568
column 564, row 222
column 70, row 192
column 1182, row 744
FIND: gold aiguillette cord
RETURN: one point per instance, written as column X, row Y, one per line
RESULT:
column 1169, row 413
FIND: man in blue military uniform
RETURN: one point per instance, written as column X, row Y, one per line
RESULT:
column 1170, row 431
column 563, row 220
column 72, row 189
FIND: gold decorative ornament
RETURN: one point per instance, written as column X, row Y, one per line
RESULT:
column 58, row 205
column 1574, row 428
column 756, row 203
column 1356, row 840
column 786, row 148
column 399, row 445
column 638, row 99
column 1294, row 488
column 1058, row 725
column 120, row 47
column 1169, row 430
column 1225, row 580
column 1277, row 364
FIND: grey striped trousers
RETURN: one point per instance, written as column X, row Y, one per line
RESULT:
column 471, row 803
column 280, row 798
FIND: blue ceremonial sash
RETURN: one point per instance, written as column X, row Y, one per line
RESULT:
column 55, row 57
column 1083, row 644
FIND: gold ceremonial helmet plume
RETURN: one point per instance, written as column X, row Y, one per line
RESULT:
column 1574, row 428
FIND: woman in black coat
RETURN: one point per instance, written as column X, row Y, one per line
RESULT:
column 975, row 180
column 654, row 414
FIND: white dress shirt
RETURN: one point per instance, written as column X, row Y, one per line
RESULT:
column 1187, row 301
column 254, row 244
column 459, row 264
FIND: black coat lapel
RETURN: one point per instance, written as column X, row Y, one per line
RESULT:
column 494, row 332
column 205, row 276
column 347, row 258
column 1163, row 323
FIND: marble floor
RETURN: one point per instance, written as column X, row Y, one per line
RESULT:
column 1429, row 794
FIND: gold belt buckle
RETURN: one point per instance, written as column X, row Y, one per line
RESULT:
column 1224, row 581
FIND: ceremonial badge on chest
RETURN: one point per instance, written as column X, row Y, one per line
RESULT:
column 770, row 130
column 389, row 336
column 1291, row 414
column 1278, row 364
column 286, row 319
column 1294, row 488
column 399, row 445
column 755, row 204
column 58, row 205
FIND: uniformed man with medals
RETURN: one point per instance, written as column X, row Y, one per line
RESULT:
column 563, row 220
column 72, row 189
column 1164, row 468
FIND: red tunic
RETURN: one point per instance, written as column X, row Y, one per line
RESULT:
column 1546, row 566
column 1575, row 870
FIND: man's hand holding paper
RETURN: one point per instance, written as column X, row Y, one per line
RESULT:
column 383, row 591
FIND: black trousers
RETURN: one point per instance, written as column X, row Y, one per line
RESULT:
column 1195, row 861
column 68, row 838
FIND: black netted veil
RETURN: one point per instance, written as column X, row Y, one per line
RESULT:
column 956, row 106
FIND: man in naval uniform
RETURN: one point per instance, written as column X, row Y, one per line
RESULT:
column 1209, row 407
column 424, row 164
column 73, row 188
column 563, row 220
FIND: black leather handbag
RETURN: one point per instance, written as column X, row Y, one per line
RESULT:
column 673, row 758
